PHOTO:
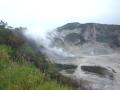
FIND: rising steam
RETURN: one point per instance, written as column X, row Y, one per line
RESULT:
column 41, row 37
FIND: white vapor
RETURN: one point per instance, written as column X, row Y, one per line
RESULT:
column 41, row 37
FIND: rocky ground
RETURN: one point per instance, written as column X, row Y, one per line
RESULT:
column 100, row 72
column 94, row 49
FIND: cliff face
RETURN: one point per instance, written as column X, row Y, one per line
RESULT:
column 102, row 38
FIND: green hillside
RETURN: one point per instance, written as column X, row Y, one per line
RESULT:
column 22, row 67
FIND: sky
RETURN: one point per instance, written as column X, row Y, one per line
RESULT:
column 49, row 14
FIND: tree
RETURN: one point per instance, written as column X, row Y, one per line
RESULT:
column 3, row 24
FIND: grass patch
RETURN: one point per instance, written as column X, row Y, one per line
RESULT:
column 24, row 76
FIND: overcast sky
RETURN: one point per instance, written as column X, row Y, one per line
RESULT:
column 49, row 14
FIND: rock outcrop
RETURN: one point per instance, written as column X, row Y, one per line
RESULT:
column 89, row 38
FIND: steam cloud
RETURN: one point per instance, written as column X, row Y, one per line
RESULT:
column 41, row 37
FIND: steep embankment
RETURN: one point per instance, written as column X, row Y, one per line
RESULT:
column 23, row 67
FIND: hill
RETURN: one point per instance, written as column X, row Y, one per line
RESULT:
column 103, row 38
column 22, row 66
column 94, row 48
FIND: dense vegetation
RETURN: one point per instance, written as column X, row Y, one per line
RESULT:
column 22, row 67
column 22, row 75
